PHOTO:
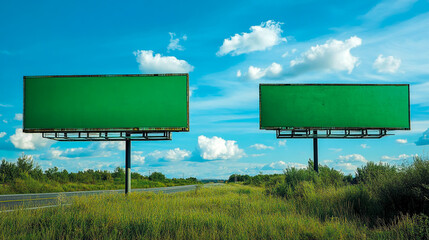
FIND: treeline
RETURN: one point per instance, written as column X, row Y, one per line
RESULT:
column 379, row 193
column 26, row 176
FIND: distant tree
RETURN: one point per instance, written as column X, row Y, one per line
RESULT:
column 8, row 171
column 119, row 173
column 157, row 177
column 25, row 163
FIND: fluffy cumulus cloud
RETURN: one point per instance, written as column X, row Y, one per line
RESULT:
column 402, row 141
column 29, row 141
column 282, row 143
column 334, row 55
column 386, row 64
column 137, row 157
column 175, row 42
column 150, row 63
column 280, row 165
column 364, row 145
column 254, row 73
column 176, row 154
column 353, row 158
column 349, row 163
column 399, row 157
column 424, row 139
column 18, row 117
column 2, row 134
column 259, row 146
column 260, row 38
column 69, row 153
column 217, row 148
column 115, row 145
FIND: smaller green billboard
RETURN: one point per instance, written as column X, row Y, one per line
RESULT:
column 132, row 103
column 334, row 106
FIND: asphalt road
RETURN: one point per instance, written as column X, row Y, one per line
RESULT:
column 40, row 200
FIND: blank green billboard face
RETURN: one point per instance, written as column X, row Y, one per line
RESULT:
column 329, row 106
column 106, row 103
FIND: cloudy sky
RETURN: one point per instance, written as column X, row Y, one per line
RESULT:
column 228, row 48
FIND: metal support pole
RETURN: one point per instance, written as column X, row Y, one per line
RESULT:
column 127, row 164
column 315, row 152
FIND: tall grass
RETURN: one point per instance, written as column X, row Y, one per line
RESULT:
column 25, row 176
column 226, row 212
column 379, row 195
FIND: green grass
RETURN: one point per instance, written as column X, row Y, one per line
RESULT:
column 381, row 202
column 26, row 176
column 225, row 212
column 30, row 185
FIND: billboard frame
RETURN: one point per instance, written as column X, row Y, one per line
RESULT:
column 330, row 128
column 330, row 132
column 99, row 130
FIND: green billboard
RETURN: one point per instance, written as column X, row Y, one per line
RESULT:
column 158, row 102
column 334, row 106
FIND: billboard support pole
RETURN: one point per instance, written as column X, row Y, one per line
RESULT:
column 128, row 164
column 315, row 152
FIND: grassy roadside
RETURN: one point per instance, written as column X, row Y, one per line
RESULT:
column 25, row 176
column 225, row 212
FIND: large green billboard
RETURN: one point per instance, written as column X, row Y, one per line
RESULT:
column 158, row 102
column 334, row 106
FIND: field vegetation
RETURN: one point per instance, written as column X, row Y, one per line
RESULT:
column 380, row 202
column 25, row 176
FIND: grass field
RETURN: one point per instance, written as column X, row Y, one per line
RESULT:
column 230, row 211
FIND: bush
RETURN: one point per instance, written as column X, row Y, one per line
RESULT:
column 157, row 176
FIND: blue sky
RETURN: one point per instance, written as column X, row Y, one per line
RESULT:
column 228, row 48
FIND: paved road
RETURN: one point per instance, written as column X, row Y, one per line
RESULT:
column 32, row 200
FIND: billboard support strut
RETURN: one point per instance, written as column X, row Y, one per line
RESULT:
column 315, row 152
column 128, row 163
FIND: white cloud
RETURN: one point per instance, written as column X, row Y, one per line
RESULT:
column 174, row 42
column 4, row 120
column 137, row 157
column 5, row 105
column 192, row 89
column 69, row 153
column 334, row 55
column 255, row 73
column 238, row 73
column 280, row 165
column 2, row 134
column 30, row 141
column 217, row 148
column 282, row 143
column 176, row 154
column 353, row 158
column 259, row 146
column 388, row 8
column 150, row 63
column 364, row 145
column 118, row 145
column 386, row 64
column 18, row 117
column 403, row 141
column 285, row 54
column 399, row 157
column 347, row 166
column 260, row 38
